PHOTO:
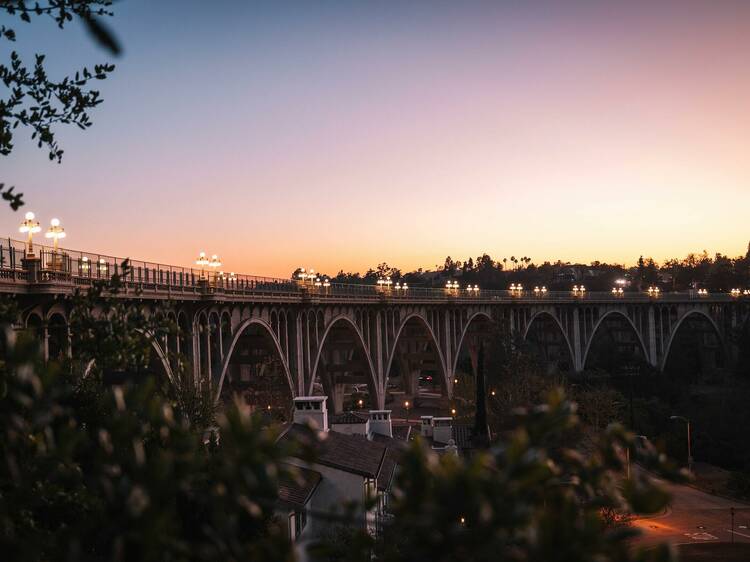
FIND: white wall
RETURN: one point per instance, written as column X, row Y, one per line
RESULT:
column 334, row 490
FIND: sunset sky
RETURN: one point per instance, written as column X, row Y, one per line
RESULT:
column 337, row 135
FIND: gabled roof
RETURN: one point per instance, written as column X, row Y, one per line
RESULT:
column 297, row 488
column 350, row 453
column 347, row 417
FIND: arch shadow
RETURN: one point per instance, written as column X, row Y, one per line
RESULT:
column 372, row 378
column 672, row 336
column 460, row 344
column 556, row 321
column 433, row 337
column 596, row 329
column 245, row 325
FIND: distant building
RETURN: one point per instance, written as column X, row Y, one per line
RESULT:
column 443, row 435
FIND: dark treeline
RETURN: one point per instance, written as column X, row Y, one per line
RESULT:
column 715, row 273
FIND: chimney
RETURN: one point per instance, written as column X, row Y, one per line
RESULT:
column 426, row 426
column 311, row 409
column 380, row 422
column 442, row 431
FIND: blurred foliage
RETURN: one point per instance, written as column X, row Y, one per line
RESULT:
column 528, row 498
column 33, row 99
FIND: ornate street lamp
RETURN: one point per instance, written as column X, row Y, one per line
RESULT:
column 579, row 291
column 617, row 291
column 214, row 263
column 473, row 289
column 30, row 226
column 653, row 292
column 452, row 287
column 55, row 231
column 384, row 284
column 540, row 291
column 516, row 290
column 202, row 262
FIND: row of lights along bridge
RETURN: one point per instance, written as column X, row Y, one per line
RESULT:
column 31, row 226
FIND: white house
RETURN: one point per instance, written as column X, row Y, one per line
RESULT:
column 355, row 461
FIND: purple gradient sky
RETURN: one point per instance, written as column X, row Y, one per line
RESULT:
column 341, row 134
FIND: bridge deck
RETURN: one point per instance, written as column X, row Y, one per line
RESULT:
column 63, row 271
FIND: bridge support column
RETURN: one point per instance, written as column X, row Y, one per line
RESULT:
column 577, row 343
column 652, row 359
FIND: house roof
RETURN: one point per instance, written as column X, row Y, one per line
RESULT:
column 347, row 417
column 350, row 453
column 390, row 460
column 296, row 487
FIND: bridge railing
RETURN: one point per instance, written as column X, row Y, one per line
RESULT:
column 83, row 268
column 79, row 268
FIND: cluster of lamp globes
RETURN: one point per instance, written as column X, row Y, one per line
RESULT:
column 733, row 292
column 516, row 289
column 31, row 226
column 386, row 282
column 454, row 286
column 313, row 278
column 617, row 291
column 579, row 290
column 653, row 291
column 540, row 290
column 213, row 263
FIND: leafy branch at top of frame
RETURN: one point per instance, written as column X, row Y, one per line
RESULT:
column 33, row 99
column 37, row 102
column 62, row 12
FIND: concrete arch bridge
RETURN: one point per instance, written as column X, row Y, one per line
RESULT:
column 348, row 341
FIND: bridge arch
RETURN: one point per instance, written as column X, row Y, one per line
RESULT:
column 342, row 320
column 58, row 342
column 267, row 332
column 422, row 321
column 675, row 330
column 459, row 344
column 556, row 321
column 598, row 325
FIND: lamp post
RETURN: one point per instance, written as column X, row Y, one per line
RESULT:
column 653, row 292
column 30, row 226
column 472, row 289
column 579, row 291
column 55, row 231
column 452, row 287
column 406, row 405
column 214, row 263
column 689, row 449
column 202, row 262
column 617, row 291
column 516, row 290
column 540, row 291
column 384, row 284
